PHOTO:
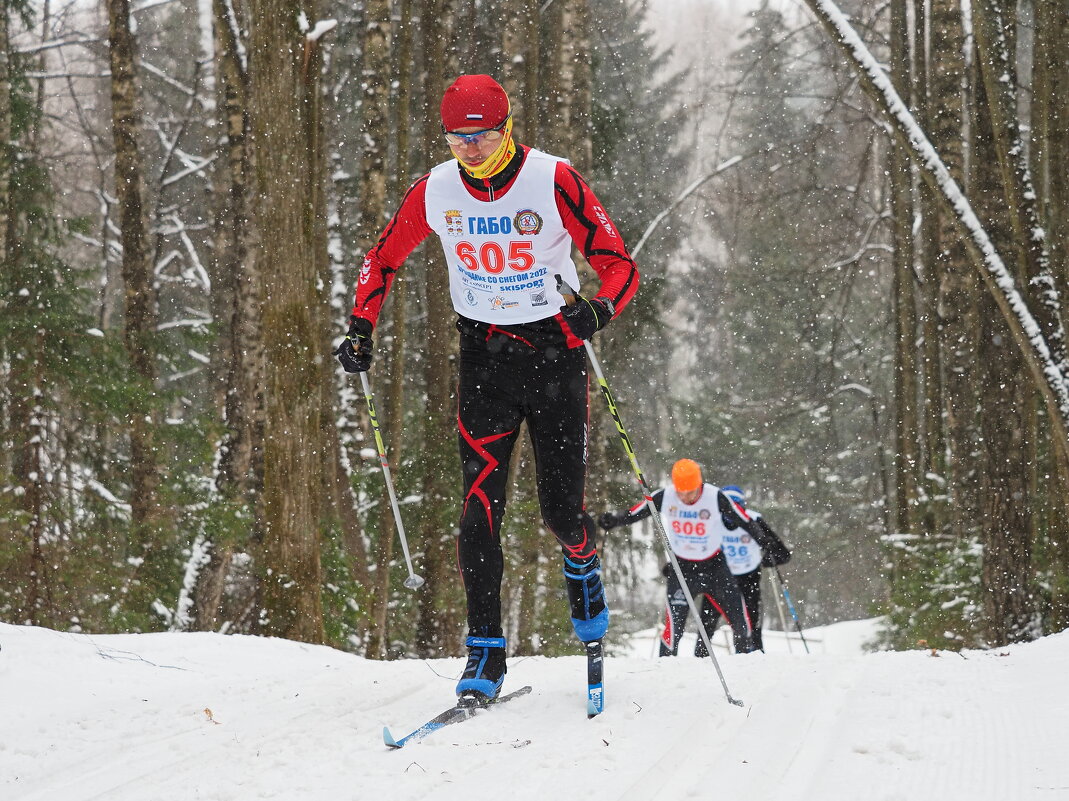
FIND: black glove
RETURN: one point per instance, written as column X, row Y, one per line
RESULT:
column 587, row 317
column 667, row 571
column 775, row 550
column 728, row 514
column 608, row 520
column 354, row 352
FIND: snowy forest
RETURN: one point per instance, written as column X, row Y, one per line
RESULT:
column 852, row 226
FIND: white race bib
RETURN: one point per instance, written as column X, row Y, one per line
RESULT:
column 504, row 255
column 695, row 531
column 741, row 550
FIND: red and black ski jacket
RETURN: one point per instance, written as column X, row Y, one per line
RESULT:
column 591, row 229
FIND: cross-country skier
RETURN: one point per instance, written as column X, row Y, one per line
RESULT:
column 746, row 553
column 694, row 515
column 507, row 216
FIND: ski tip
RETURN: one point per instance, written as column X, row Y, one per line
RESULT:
column 388, row 739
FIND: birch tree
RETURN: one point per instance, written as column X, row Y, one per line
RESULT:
column 237, row 358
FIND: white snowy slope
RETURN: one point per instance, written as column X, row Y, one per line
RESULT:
column 169, row 717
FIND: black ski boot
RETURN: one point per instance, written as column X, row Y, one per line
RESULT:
column 484, row 673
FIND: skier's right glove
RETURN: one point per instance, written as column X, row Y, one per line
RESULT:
column 609, row 520
column 354, row 352
column 728, row 514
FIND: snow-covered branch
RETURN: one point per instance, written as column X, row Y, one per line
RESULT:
column 1026, row 332
column 687, row 192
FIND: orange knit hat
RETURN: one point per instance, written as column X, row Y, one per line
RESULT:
column 686, row 475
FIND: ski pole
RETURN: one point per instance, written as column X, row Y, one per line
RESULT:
column 567, row 291
column 790, row 606
column 413, row 582
column 782, row 619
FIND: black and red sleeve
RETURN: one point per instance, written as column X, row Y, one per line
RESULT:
column 641, row 510
column 595, row 234
column 405, row 231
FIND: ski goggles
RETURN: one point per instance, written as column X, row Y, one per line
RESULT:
column 478, row 137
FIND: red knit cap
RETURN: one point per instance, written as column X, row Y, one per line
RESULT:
column 474, row 101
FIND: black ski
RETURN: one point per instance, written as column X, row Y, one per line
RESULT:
column 455, row 714
column 595, row 692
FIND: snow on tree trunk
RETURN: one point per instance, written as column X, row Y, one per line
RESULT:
column 1025, row 331
column 997, row 66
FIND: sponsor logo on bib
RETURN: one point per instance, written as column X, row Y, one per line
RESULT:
column 527, row 222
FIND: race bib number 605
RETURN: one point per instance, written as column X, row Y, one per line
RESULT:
column 490, row 257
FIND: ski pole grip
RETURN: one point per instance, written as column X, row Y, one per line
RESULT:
column 566, row 291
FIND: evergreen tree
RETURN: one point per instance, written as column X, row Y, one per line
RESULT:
column 789, row 320
column 61, row 532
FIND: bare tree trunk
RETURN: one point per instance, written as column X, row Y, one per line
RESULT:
column 1007, row 525
column 373, row 181
column 1058, row 147
column 1006, row 521
column 996, row 57
column 907, row 459
column 284, row 112
column 5, row 133
column 550, row 80
column 25, row 389
column 577, row 83
column 950, row 268
column 520, row 43
column 237, row 362
column 140, row 310
column 1050, row 154
column 519, row 23
column 566, row 81
column 440, row 613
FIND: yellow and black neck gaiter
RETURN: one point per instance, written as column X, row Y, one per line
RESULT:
column 497, row 160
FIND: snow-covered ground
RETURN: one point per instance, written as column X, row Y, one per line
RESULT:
column 169, row 717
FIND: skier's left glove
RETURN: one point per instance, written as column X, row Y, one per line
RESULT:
column 587, row 317
column 355, row 350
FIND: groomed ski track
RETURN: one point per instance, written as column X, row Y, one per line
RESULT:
column 126, row 717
